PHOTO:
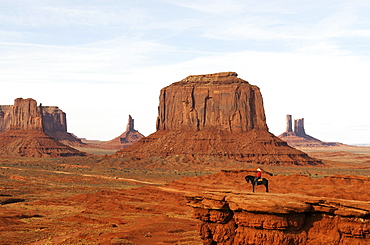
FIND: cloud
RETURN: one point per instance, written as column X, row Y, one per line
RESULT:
column 102, row 60
column 211, row 6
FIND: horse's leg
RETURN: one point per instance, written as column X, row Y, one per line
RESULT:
column 267, row 187
column 253, row 187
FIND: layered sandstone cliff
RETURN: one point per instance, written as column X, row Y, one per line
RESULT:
column 215, row 116
column 5, row 112
column 237, row 218
column 297, row 210
column 26, row 115
column 26, row 136
column 222, row 101
column 53, row 119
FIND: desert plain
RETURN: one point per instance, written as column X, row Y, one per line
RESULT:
column 80, row 200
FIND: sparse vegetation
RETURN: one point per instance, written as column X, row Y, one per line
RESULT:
column 86, row 199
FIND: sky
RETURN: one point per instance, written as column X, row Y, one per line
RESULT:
column 101, row 60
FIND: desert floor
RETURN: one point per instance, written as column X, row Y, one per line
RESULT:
column 80, row 201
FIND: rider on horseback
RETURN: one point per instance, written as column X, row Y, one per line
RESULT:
column 259, row 174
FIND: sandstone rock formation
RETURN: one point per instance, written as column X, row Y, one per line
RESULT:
column 54, row 123
column 5, row 111
column 127, row 138
column 26, row 137
column 232, row 218
column 26, row 115
column 297, row 210
column 222, row 101
column 289, row 124
column 214, row 116
column 298, row 137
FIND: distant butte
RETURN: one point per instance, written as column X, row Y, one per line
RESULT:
column 298, row 136
column 127, row 138
column 209, row 119
column 54, row 122
column 25, row 137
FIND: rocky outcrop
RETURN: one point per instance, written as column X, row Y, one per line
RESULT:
column 213, row 118
column 26, row 137
column 5, row 111
column 55, row 125
column 127, row 138
column 26, row 115
column 297, row 210
column 237, row 218
column 298, row 136
column 289, row 123
column 53, row 119
column 299, row 127
column 222, row 101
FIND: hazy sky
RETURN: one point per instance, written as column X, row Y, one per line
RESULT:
column 101, row 60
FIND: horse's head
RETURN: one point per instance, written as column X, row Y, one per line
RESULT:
column 248, row 178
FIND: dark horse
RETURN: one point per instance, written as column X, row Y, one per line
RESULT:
column 251, row 179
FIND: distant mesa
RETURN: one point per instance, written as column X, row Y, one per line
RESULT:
column 298, row 136
column 127, row 138
column 54, row 122
column 23, row 132
column 214, row 116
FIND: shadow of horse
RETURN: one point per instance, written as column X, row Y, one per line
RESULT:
column 263, row 181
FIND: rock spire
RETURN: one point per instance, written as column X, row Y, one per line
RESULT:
column 299, row 127
column 298, row 136
column 127, row 138
column 130, row 124
column 289, row 123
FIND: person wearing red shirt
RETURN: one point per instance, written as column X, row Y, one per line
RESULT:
column 258, row 175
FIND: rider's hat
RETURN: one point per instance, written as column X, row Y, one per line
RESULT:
column 258, row 169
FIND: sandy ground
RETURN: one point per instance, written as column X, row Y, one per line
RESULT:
column 76, row 201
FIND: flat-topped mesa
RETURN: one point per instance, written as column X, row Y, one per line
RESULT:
column 215, row 78
column 221, row 100
column 25, row 136
column 26, row 115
